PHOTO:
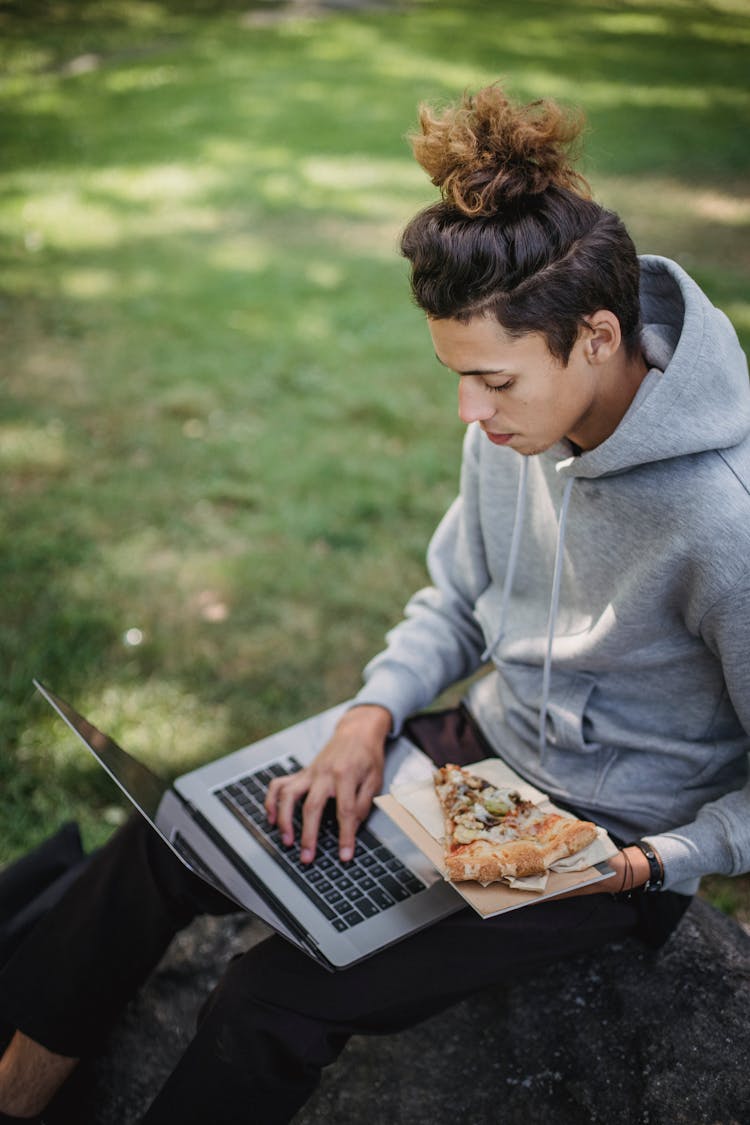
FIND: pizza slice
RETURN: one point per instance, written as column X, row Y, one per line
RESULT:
column 491, row 833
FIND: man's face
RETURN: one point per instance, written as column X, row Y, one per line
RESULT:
column 518, row 392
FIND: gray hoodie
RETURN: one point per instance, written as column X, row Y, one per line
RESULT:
column 609, row 594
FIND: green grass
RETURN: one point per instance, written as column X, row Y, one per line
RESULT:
column 220, row 423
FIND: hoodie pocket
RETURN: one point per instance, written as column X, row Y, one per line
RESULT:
column 566, row 727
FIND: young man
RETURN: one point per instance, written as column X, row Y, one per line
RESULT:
column 596, row 561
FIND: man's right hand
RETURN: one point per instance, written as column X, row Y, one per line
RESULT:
column 349, row 768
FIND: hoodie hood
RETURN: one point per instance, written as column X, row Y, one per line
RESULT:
column 696, row 395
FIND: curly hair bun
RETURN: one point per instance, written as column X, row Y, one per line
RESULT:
column 487, row 152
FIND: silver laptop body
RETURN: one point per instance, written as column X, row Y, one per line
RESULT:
column 212, row 819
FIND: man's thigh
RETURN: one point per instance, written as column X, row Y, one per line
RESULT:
column 432, row 969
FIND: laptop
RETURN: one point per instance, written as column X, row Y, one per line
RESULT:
column 213, row 819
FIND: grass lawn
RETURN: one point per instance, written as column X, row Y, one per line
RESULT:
column 223, row 439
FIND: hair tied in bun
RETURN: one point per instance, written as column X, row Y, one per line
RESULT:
column 487, row 152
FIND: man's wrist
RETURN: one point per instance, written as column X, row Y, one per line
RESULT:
column 630, row 871
column 372, row 717
column 637, row 867
column 654, row 880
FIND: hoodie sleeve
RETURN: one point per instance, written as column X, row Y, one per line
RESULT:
column 439, row 641
column 717, row 842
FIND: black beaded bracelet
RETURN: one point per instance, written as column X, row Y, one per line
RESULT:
column 655, row 869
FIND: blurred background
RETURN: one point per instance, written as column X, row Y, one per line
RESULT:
column 224, row 440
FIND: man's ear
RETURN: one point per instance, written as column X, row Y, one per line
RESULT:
column 602, row 336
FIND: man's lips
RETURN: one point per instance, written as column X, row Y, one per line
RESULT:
column 499, row 439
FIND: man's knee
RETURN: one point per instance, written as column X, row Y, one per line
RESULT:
column 271, row 974
column 253, row 1013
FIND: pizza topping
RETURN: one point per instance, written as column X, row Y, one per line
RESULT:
column 475, row 804
column 492, row 833
column 497, row 805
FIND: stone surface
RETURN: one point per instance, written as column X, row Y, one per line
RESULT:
column 623, row 1037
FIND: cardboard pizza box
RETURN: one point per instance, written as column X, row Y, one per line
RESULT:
column 496, row 898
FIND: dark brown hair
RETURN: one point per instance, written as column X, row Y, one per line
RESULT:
column 516, row 233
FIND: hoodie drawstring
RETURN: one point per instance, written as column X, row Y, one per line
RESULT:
column 554, row 600
column 515, row 542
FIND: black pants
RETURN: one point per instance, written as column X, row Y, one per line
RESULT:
column 276, row 1017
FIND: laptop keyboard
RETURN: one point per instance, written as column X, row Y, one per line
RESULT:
column 346, row 893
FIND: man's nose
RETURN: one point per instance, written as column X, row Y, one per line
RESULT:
column 474, row 402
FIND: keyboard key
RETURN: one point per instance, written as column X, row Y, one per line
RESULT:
column 368, row 908
column 411, row 882
column 397, row 890
column 367, row 839
column 381, row 898
column 353, row 917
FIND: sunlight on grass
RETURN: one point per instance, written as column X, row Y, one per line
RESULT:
column 720, row 207
column 25, row 447
column 93, row 283
column 639, row 23
column 87, row 213
column 598, row 94
column 376, row 239
column 672, row 217
column 150, row 78
column 170, row 729
column 66, row 219
column 713, row 34
column 324, row 275
column 247, row 253
column 657, row 96
column 363, row 173
column 154, row 184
